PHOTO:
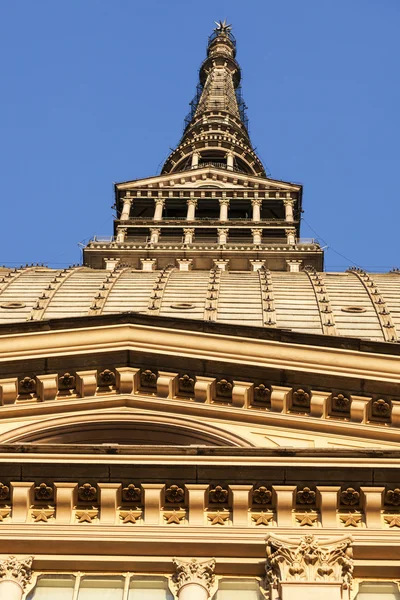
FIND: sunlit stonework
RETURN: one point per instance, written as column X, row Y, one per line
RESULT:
column 199, row 410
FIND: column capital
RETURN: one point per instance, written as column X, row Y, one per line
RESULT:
column 127, row 199
column 288, row 201
column 18, row 571
column 194, row 571
column 192, row 201
column 257, row 231
column 305, row 559
column 155, row 230
column 290, row 231
column 188, row 230
column 222, row 230
column 224, row 201
column 256, row 201
column 159, row 201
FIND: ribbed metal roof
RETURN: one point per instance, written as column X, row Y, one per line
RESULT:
column 353, row 304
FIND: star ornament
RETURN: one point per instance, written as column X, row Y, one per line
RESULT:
column 218, row 518
column 306, row 519
column 222, row 27
column 130, row 516
column 174, row 517
column 351, row 520
column 262, row 518
column 42, row 515
column 86, row 516
column 5, row 512
column 393, row 521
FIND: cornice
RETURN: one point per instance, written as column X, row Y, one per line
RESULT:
column 174, row 342
column 187, row 176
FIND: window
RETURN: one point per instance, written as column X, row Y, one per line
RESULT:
column 235, row 589
column 53, row 587
column 100, row 587
column 149, row 588
column 378, row 590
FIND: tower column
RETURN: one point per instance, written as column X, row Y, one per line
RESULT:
column 229, row 161
column 195, row 160
column 222, row 236
column 159, row 206
column 154, row 235
column 126, row 209
column 121, row 234
column 189, row 233
column 191, row 211
column 290, row 236
column 256, row 204
column 223, row 209
column 193, row 579
column 15, row 575
column 288, row 204
column 257, row 236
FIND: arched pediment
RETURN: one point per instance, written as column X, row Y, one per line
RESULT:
column 125, row 429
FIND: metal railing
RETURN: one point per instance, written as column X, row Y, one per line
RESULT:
column 199, row 241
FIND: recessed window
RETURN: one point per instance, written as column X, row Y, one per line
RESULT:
column 101, row 588
column 354, row 309
column 378, row 590
column 12, row 305
column 238, row 589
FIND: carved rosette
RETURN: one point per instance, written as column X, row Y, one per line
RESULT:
column 193, row 572
column 306, row 560
column 17, row 570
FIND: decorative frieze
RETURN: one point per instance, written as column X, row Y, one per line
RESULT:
column 263, row 396
column 237, row 505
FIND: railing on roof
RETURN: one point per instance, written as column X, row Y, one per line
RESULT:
column 220, row 165
column 217, row 33
column 200, row 240
column 242, row 106
column 235, row 220
column 193, row 105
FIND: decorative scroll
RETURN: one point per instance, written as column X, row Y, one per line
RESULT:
column 309, row 561
column 19, row 571
column 193, row 571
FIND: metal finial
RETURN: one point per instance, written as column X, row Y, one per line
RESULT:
column 222, row 27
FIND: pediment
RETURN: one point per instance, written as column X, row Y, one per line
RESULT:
column 136, row 420
column 209, row 177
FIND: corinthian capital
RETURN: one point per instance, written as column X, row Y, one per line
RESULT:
column 307, row 560
column 17, row 570
column 195, row 572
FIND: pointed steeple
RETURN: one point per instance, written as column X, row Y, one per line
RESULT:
column 216, row 128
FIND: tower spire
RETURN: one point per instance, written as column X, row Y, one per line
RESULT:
column 216, row 127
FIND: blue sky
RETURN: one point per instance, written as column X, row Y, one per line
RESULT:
column 95, row 91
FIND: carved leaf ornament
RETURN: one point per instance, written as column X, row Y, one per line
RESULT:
column 16, row 570
column 194, row 571
column 307, row 560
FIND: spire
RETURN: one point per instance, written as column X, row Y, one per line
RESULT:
column 216, row 127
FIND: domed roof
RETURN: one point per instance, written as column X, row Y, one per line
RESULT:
column 352, row 304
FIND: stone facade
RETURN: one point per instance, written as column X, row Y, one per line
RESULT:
column 199, row 412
